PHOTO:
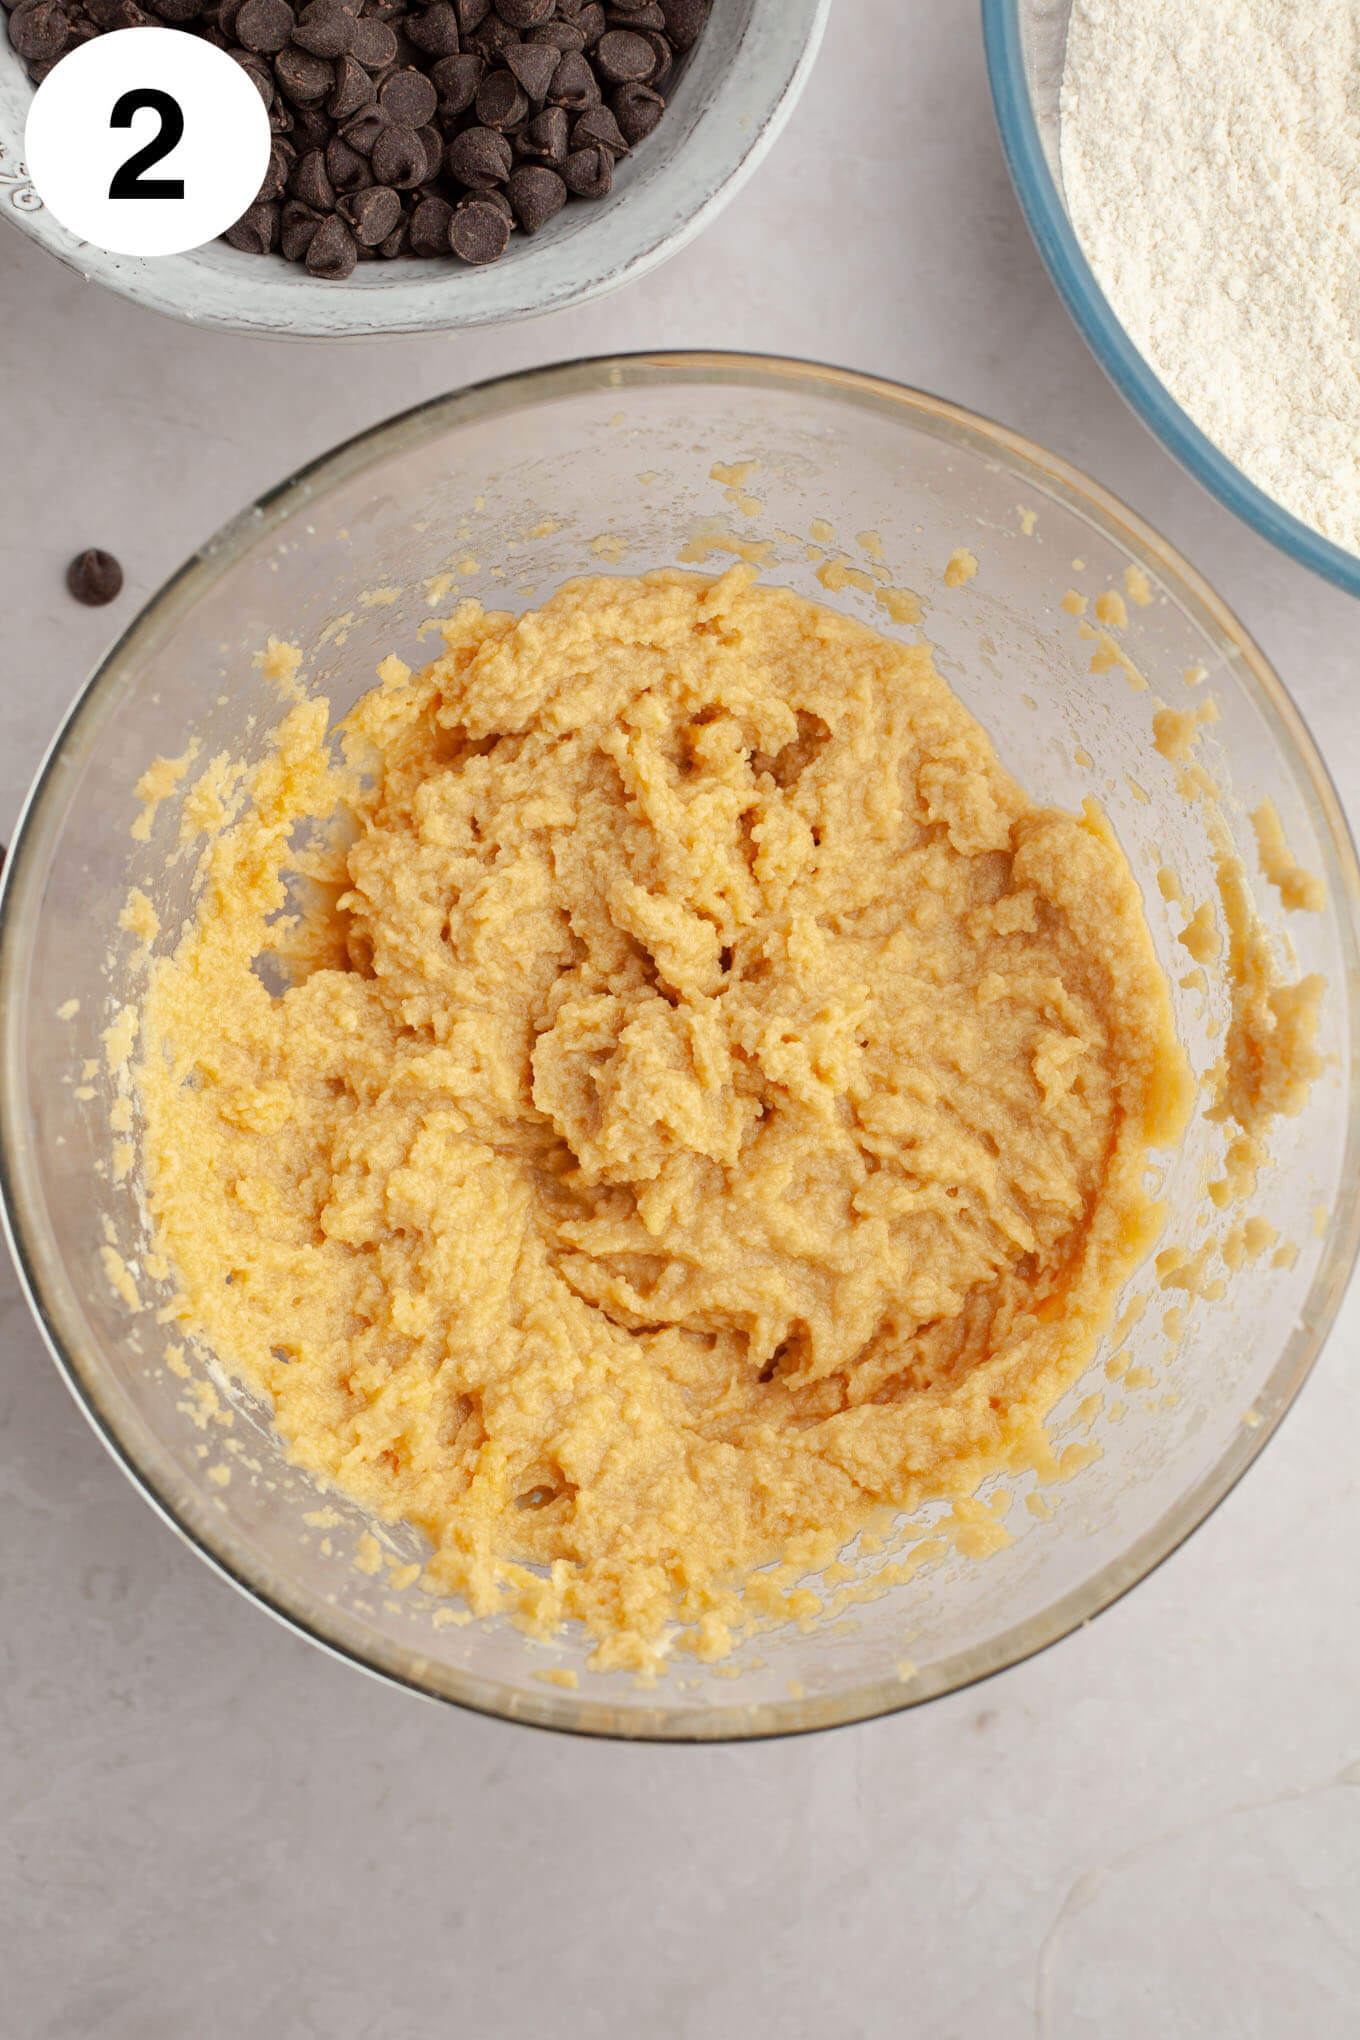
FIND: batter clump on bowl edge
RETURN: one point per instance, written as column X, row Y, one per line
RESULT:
column 708, row 1103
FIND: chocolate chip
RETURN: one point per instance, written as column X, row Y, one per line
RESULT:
column 456, row 80
column 408, row 97
column 311, row 182
column 282, row 157
column 589, row 172
column 94, row 577
column 331, row 252
column 311, row 129
column 297, row 224
column 665, row 57
column 397, row 242
column 433, row 144
column 574, row 84
column 492, row 37
column 496, row 198
column 624, row 58
column 430, row 223
column 637, row 109
column 537, row 195
column 373, row 214
column 177, row 11
column 501, row 101
column 684, row 20
column 353, row 89
column 303, row 78
column 326, row 28
column 345, row 167
column 534, row 68
column 525, row 13
column 480, row 158
column 557, row 35
column 257, row 230
column 479, row 232
column 435, row 30
column 599, row 126
column 265, row 25
column 592, row 25
column 374, row 45
column 362, row 132
column 399, row 158
column 39, row 32
column 258, row 71
column 546, row 136
column 471, row 14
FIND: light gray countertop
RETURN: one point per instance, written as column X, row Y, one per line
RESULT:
column 209, row 1829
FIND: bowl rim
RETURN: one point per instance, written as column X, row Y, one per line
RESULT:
column 21, row 1203
column 1137, row 382
column 642, row 231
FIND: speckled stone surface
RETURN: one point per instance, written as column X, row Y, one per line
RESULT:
column 208, row 1828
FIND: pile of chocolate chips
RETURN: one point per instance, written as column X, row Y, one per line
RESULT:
column 409, row 128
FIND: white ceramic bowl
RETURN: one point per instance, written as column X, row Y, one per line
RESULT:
column 737, row 88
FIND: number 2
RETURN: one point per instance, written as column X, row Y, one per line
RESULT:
column 128, row 182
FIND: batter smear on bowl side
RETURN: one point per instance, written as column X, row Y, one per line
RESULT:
column 708, row 1104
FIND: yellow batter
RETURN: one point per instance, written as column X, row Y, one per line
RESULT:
column 710, row 1104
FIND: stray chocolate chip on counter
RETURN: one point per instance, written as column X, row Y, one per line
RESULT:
column 431, row 128
column 94, row 577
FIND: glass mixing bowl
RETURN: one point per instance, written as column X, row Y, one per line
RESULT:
column 1026, row 44
column 503, row 491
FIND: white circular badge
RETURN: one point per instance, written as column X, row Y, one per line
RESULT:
column 147, row 141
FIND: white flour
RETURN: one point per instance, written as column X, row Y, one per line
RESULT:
column 1211, row 156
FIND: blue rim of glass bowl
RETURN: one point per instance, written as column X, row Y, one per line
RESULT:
column 1047, row 218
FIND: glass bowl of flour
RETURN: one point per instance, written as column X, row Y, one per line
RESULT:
column 1192, row 195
